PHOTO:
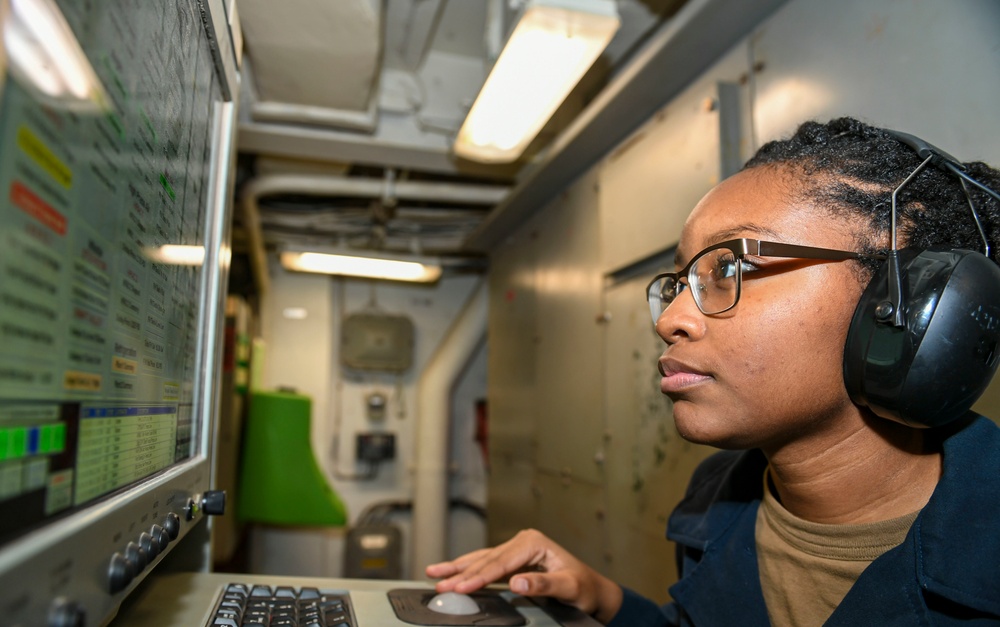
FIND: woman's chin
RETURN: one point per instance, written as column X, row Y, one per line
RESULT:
column 710, row 430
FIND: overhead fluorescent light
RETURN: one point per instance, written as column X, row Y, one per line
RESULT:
column 553, row 44
column 176, row 254
column 393, row 269
column 295, row 313
column 44, row 55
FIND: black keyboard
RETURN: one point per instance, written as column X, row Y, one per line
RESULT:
column 245, row 605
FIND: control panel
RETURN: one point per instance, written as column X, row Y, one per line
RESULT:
column 68, row 578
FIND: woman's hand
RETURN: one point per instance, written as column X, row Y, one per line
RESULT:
column 537, row 566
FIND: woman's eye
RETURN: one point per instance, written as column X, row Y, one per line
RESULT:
column 727, row 269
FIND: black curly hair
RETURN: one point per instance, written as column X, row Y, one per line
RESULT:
column 852, row 169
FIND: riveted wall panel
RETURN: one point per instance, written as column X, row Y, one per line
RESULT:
column 570, row 336
column 650, row 183
column 512, row 386
column 573, row 513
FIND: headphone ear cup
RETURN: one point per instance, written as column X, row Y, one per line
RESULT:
column 931, row 371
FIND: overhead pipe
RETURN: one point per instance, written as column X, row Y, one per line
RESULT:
column 324, row 185
column 293, row 113
column 317, row 185
column 437, row 381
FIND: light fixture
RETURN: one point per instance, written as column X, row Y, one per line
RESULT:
column 44, row 55
column 176, row 254
column 360, row 265
column 550, row 48
column 295, row 313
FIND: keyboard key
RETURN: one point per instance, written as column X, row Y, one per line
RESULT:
column 238, row 588
column 231, row 605
column 256, row 615
column 261, row 591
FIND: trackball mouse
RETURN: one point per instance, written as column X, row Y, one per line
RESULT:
column 453, row 603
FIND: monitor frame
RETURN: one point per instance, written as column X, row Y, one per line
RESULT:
column 64, row 568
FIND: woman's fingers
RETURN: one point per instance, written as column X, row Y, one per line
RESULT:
column 457, row 565
column 480, row 568
column 562, row 585
column 579, row 586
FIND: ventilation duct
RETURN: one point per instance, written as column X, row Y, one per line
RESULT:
column 314, row 62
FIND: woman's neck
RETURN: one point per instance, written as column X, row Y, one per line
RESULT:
column 877, row 470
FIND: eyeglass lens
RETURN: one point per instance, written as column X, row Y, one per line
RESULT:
column 714, row 281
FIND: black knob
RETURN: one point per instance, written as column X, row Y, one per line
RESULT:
column 137, row 555
column 66, row 613
column 213, row 502
column 149, row 545
column 160, row 537
column 120, row 573
column 172, row 523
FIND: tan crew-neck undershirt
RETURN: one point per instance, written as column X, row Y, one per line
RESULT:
column 807, row 568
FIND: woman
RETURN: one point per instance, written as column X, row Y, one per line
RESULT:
column 814, row 489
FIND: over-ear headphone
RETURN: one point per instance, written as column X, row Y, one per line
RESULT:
column 924, row 341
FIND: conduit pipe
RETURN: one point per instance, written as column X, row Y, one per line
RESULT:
column 430, row 497
column 316, row 185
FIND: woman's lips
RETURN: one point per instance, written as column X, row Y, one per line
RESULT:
column 678, row 376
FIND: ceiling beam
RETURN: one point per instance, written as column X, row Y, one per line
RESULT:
column 310, row 142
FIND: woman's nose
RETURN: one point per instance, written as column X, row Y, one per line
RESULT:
column 681, row 319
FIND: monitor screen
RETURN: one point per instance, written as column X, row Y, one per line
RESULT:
column 98, row 325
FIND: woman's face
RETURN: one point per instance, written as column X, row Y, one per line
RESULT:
column 769, row 371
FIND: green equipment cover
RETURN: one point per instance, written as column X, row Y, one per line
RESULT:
column 280, row 481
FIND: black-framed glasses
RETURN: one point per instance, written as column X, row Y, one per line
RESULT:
column 715, row 275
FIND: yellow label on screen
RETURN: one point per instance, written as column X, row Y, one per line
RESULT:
column 126, row 366
column 86, row 381
column 35, row 148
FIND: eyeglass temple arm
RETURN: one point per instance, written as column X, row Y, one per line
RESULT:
column 776, row 249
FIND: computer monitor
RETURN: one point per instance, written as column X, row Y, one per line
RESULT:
column 117, row 123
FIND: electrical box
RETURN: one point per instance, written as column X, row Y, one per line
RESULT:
column 375, row 447
column 373, row 552
column 375, row 341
